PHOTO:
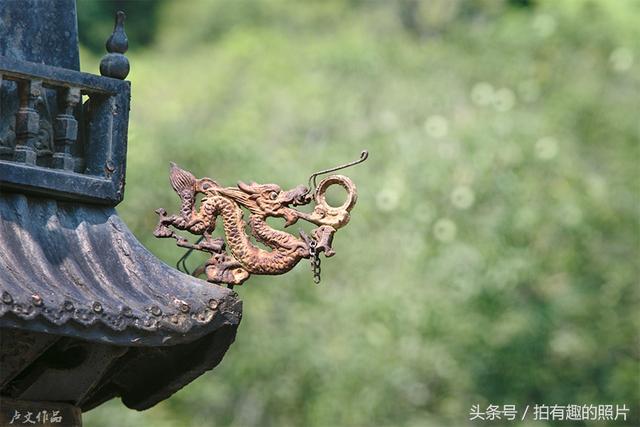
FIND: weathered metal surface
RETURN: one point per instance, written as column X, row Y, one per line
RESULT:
column 77, row 270
column 86, row 312
column 43, row 414
column 69, row 371
column 145, row 375
column 75, row 370
column 51, row 141
column 262, row 201
column 53, row 145
column 19, row 349
column 41, row 31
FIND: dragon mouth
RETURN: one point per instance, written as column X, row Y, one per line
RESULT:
column 291, row 216
column 296, row 197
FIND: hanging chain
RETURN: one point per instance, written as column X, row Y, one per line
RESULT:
column 314, row 258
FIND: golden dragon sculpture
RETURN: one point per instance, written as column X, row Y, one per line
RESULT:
column 244, row 257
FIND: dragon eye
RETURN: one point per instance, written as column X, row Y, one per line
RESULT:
column 273, row 195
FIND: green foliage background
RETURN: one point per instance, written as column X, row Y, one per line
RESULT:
column 493, row 253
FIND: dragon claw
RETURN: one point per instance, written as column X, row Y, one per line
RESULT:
column 214, row 245
column 324, row 238
column 321, row 240
column 163, row 231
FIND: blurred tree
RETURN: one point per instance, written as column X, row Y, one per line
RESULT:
column 492, row 254
column 422, row 18
column 95, row 21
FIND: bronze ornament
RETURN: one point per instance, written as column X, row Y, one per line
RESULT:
column 235, row 257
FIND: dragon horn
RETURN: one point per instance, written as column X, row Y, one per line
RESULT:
column 247, row 188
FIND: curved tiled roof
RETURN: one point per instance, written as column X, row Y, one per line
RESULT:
column 71, row 267
column 76, row 270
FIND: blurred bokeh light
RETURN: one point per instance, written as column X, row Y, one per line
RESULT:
column 493, row 253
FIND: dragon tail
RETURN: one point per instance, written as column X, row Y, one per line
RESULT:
column 184, row 183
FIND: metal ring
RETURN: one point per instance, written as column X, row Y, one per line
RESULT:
column 344, row 182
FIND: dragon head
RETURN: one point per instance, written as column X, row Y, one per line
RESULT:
column 269, row 199
column 205, row 185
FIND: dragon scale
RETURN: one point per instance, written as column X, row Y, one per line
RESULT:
column 255, row 260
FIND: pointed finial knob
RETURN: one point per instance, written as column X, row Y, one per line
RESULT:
column 118, row 42
column 115, row 64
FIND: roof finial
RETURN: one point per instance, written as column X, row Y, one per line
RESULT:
column 115, row 64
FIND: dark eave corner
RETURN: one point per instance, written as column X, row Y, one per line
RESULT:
column 86, row 312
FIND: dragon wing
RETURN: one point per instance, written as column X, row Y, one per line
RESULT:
column 184, row 183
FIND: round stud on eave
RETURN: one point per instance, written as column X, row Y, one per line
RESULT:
column 68, row 306
column 7, row 298
column 115, row 64
column 97, row 307
column 155, row 310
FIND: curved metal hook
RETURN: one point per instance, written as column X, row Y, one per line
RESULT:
column 312, row 179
